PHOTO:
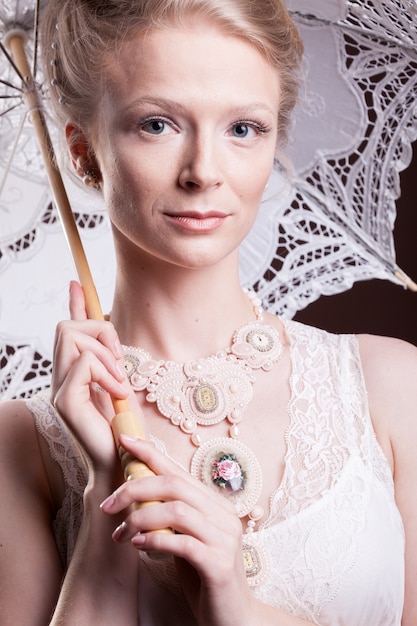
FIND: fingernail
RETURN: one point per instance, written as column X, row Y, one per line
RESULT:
column 121, row 371
column 138, row 540
column 129, row 438
column 108, row 502
column 119, row 532
column 118, row 349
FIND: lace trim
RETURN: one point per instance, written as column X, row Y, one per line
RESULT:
column 63, row 447
column 66, row 452
column 329, row 420
column 333, row 466
column 314, row 551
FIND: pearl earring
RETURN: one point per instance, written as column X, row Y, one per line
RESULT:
column 90, row 179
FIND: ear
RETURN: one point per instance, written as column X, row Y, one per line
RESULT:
column 81, row 152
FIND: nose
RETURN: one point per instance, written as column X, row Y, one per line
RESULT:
column 201, row 165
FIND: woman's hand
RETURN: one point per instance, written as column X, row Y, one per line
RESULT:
column 87, row 361
column 207, row 541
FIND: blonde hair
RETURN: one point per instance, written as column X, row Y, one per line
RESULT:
column 80, row 36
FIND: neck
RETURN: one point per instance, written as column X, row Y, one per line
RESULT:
column 181, row 314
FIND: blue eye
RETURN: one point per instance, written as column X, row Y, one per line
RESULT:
column 154, row 127
column 248, row 129
column 241, row 130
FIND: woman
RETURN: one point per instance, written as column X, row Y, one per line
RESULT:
column 284, row 457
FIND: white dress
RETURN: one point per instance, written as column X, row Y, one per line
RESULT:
column 333, row 543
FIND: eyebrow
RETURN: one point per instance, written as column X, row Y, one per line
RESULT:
column 239, row 110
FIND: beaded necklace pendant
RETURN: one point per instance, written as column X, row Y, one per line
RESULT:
column 204, row 392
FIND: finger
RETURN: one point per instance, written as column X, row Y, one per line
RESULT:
column 182, row 516
column 163, row 466
column 172, row 485
column 197, row 539
column 77, row 301
column 147, row 452
column 159, row 463
column 194, row 551
column 87, row 413
column 165, row 488
column 99, row 337
column 178, row 515
column 76, row 387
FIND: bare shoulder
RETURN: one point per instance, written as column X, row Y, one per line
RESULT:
column 25, row 460
column 22, row 467
column 386, row 353
column 389, row 365
column 29, row 563
column 390, row 370
column 18, row 435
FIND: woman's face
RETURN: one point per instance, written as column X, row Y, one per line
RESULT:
column 186, row 140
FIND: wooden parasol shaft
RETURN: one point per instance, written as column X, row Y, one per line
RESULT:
column 406, row 280
column 125, row 421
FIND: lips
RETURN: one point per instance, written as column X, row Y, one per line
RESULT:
column 198, row 222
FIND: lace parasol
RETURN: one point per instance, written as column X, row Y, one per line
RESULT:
column 326, row 225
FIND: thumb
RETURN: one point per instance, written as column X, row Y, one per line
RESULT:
column 77, row 302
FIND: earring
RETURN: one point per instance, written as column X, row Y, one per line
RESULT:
column 90, row 179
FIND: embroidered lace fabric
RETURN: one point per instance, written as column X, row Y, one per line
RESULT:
column 334, row 537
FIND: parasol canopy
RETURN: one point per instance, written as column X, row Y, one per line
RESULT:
column 322, row 227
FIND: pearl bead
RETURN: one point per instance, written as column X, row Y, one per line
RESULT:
column 196, row 439
column 139, row 381
column 235, row 416
column 234, row 431
column 256, row 513
column 148, row 368
column 188, row 426
column 250, row 527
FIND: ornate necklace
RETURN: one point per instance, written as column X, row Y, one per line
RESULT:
column 203, row 392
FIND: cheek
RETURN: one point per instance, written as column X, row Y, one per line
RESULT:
column 133, row 186
column 252, row 174
column 252, row 186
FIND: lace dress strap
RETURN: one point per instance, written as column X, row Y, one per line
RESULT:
column 329, row 420
column 334, row 532
column 67, row 453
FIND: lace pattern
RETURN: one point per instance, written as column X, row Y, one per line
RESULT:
column 320, row 514
column 66, row 452
column 329, row 420
column 330, row 515
column 317, row 233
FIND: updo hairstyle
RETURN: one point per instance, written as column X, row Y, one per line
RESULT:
column 81, row 37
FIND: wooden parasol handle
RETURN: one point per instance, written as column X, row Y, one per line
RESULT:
column 125, row 421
